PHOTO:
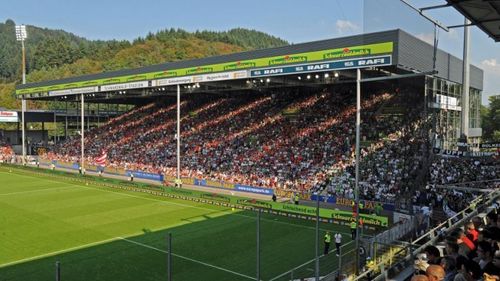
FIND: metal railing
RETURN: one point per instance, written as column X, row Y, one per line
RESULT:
column 390, row 261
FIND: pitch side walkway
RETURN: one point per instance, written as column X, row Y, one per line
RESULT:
column 187, row 186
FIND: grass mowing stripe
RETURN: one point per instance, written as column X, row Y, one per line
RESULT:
column 61, row 251
column 186, row 205
column 210, row 233
column 31, row 191
column 189, row 259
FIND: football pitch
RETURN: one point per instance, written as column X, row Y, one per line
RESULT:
column 99, row 233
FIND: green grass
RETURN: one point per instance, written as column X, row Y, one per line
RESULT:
column 102, row 233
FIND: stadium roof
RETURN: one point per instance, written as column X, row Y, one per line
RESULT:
column 394, row 51
column 485, row 14
column 240, row 58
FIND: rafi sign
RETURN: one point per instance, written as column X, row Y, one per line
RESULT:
column 324, row 66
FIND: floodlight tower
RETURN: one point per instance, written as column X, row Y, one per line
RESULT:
column 21, row 35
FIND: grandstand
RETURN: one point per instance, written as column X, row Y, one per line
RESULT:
column 279, row 121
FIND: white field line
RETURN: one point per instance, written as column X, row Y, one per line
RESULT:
column 188, row 206
column 189, row 259
column 207, row 209
column 60, row 251
column 32, row 191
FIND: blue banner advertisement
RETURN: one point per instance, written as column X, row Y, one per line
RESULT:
column 253, row 189
column 144, row 175
column 324, row 66
column 368, row 204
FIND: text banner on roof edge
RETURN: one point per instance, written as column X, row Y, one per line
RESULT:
column 329, row 54
column 324, row 66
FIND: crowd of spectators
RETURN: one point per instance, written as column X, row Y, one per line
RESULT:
column 453, row 182
column 289, row 140
column 391, row 157
column 464, row 254
column 6, row 151
column 293, row 140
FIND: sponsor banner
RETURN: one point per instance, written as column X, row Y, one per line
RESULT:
column 253, row 189
column 322, row 198
column 221, row 76
column 126, row 86
column 463, row 144
column 8, row 116
column 76, row 91
column 335, row 215
column 445, row 102
column 290, row 193
column 456, row 153
column 323, row 66
column 174, row 81
column 116, row 171
column 367, row 204
column 144, row 175
column 315, row 56
column 489, row 145
column 211, row 183
column 186, row 180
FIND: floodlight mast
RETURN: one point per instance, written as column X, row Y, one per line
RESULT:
column 21, row 35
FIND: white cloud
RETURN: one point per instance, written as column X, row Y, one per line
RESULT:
column 491, row 78
column 344, row 26
column 489, row 63
column 427, row 37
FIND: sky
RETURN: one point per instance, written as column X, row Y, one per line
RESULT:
column 293, row 20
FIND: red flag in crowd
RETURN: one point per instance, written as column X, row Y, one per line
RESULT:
column 101, row 160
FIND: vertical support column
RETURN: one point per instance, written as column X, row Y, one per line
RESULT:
column 178, row 133
column 55, row 128
column 58, row 271
column 43, row 132
column 356, row 189
column 82, row 161
column 66, row 123
column 23, row 128
column 465, row 80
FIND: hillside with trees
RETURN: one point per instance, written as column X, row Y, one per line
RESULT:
column 55, row 54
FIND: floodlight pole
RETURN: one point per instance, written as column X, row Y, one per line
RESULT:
column 356, row 189
column 82, row 161
column 466, row 80
column 178, row 133
column 21, row 36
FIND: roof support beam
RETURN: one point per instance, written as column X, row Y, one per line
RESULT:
column 434, row 7
column 461, row 25
column 420, row 11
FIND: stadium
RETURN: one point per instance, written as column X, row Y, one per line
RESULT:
column 238, row 167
